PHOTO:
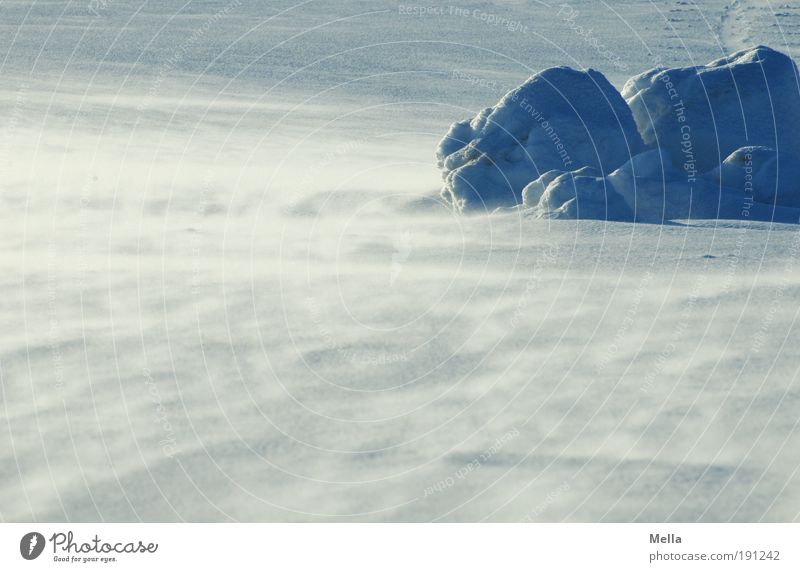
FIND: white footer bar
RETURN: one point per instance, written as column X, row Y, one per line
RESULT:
column 400, row 547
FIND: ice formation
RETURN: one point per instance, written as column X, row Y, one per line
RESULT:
column 713, row 141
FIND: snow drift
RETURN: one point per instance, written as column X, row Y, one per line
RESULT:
column 560, row 118
column 703, row 114
column 713, row 141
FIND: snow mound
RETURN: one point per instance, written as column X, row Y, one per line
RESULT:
column 657, row 192
column 560, row 118
column 770, row 177
column 645, row 189
column 649, row 189
column 714, row 141
column 702, row 114
column 584, row 193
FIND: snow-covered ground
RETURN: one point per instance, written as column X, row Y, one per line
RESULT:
column 230, row 288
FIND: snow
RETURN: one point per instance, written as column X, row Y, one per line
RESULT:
column 560, row 118
column 649, row 189
column 701, row 114
column 230, row 289
column 577, row 194
column 687, row 118
column 769, row 176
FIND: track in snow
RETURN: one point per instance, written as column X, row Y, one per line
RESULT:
column 746, row 23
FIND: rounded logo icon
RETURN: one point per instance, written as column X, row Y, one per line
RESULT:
column 31, row 545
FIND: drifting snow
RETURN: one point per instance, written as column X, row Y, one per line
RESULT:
column 714, row 141
column 194, row 336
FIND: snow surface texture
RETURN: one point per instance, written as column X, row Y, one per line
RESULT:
column 717, row 141
column 229, row 289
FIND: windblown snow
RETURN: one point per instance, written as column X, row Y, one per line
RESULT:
column 231, row 288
